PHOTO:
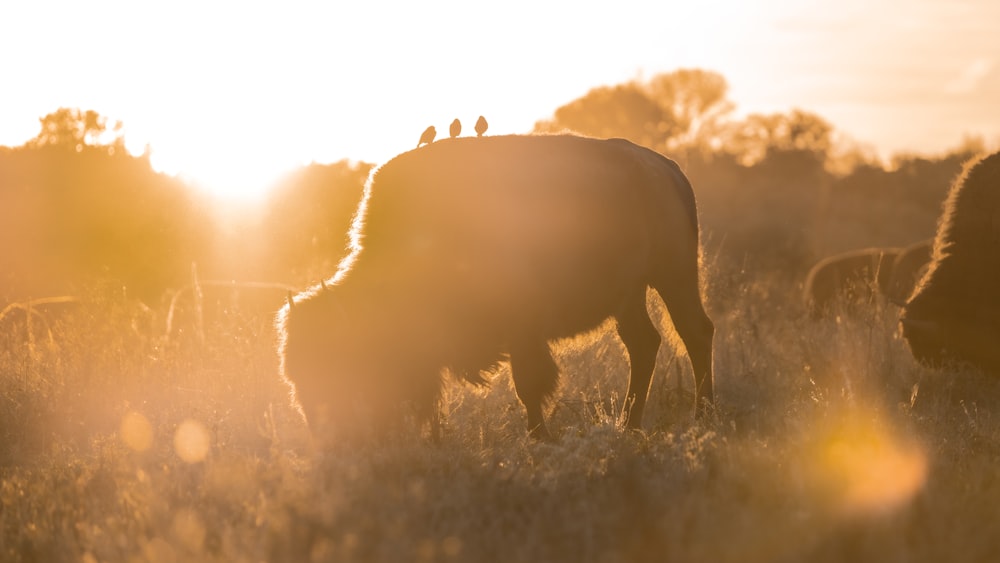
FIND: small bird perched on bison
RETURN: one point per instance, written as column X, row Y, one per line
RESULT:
column 427, row 137
column 476, row 250
column 954, row 313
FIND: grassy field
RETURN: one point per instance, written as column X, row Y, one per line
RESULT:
column 118, row 443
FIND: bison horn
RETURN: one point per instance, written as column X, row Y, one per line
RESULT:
column 323, row 283
column 291, row 302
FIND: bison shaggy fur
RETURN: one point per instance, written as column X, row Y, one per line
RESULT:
column 471, row 251
column 954, row 313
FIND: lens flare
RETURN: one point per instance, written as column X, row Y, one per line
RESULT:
column 136, row 431
column 191, row 441
column 865, row 467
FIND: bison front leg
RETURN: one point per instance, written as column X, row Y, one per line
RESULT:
column 535, row 377
column 642, row 341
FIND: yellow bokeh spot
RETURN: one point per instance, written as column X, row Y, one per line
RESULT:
column 191, row 441
column 136, row 431
column 867, row 468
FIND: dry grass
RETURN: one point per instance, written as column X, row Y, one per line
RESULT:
column 829, row 444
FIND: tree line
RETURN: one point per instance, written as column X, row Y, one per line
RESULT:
column 775, row 191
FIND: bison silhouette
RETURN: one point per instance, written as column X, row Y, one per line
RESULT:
column 954, row 312
column 472, row 251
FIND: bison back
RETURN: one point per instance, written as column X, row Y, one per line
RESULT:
column 555, row 228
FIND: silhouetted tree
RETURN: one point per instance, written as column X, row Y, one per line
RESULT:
column 895, row 206
column 668, row 111
column 481, row 126
column 456, row 128
column 625, row 111
column 696, row 100
column 75, row 128
column 760, row 136
column 71, row 218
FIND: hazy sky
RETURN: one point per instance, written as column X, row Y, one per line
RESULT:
column 233, row 93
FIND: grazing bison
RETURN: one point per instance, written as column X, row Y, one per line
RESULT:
column 474, row 250
column 856, row 275
column 954, row 313
column 907, row 269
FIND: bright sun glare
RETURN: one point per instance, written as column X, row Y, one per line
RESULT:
column 254, row 91
column 226, row 176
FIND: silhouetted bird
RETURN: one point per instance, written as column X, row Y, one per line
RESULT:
column 456, row 128
column 427, row 136
column 481, row 126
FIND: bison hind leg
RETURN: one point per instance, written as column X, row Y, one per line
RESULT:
column 642, row 341
column 681, row 295
column 536, row 376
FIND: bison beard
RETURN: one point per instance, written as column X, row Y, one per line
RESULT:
column 954, row 313
column 473, row 250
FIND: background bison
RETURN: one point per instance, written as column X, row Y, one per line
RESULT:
column 854, row 275
column 907, row 269
column 469, row 251
column 860, row 275
column 954, row 313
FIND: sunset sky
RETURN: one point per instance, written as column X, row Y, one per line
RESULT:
column 232, row 94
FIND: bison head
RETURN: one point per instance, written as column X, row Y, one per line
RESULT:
column 347, row 361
